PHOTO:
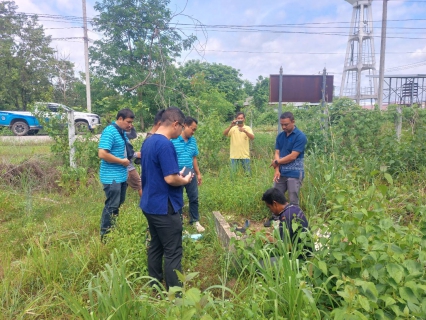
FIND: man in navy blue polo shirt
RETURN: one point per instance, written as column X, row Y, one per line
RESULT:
column 162, row 198
column 288, row 161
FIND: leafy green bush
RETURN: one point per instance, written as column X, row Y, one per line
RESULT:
column 374, row 264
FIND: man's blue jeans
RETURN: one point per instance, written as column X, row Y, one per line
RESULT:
column 192, row 193
column 115, row 195
column 245, row 163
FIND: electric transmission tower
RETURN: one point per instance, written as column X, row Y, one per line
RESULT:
column 360, row 60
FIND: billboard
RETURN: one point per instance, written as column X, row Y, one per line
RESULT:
column 300, row 88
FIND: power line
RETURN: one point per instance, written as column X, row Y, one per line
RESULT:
column 307, row 53
column 77, row 18
column 407, row 66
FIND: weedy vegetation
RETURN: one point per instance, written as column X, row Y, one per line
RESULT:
column 364, row 195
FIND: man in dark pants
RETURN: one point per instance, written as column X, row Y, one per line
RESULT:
column 113, row 171
column 288, row 160
column 162, row 198
column 187, row 152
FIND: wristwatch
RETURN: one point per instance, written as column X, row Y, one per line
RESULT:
column 276, row 162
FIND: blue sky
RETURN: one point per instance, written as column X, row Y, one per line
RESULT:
column 305, row 50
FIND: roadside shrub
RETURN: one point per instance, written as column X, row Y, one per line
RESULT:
column 211, row 143
column 375, row 266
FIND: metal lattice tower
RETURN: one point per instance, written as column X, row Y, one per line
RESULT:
column 360, row 60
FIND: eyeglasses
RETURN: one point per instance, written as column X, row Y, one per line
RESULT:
column 183, row 127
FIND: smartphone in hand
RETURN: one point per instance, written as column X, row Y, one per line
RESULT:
column 186, row 172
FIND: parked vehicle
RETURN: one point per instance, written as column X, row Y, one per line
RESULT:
column 22, row 123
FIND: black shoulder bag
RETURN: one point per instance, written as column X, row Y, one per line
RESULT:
column 129, row 148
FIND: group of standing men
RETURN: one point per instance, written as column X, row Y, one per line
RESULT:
column 168, row 162
column 166, row 155
column 288, row 158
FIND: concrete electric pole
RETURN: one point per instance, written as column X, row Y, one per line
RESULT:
column 86, row 58
column 382, row 54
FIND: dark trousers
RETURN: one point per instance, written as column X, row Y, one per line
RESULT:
column 115, row 195
column 166, row 240
column 192, row 193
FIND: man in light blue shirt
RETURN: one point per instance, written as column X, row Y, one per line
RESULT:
column 114, row 162
column 187, row 152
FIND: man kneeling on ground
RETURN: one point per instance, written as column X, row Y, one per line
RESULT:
column 285, row 214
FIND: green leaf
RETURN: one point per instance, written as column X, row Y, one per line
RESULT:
column 373, row 254
column 396, row 310
column 188, row 314
column 340, row 198
column 388, row 300
column 191, row 276
column 370, row 191
column 370, row 290
column 395, row 271
column 193, row 295
column 385, row 224
column 388, row 178
column 337, row 255
column 335, row 271
column 408, row 295
column 412, row 266
column 323, row 267
column 363, row 301
column 379, row 314
column 383, row 189
column 396, row 249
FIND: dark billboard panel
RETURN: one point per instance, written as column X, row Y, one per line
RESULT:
column 300, row 88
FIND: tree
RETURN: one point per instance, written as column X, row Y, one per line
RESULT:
column 221, row 77
column 261, row 93
column 25, row 58
column 65, row 82
column 138, row 42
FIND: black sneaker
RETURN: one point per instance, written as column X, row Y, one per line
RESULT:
column 267, row 223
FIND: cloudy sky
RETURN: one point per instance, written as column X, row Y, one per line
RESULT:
column 257, row 36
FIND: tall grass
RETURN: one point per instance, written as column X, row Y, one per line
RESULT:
column 368, row 216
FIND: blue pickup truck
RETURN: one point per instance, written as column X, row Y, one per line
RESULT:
column 23, row 122
column 20, row 122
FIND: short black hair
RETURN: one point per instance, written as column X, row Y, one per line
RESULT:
column 172, row 114
column 158, row 116
column 238, row 113
column 125, row 113
column 189, row 120
column 287, row 115
column 272, row 195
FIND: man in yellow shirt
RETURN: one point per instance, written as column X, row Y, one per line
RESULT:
column 240, row 135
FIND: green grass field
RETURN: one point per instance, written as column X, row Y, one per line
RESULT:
column 371, row 264
column 15, row 151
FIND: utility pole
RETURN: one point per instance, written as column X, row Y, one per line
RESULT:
column 280, row 100
column 86, row 58
column 323, row 102
column 382, row 54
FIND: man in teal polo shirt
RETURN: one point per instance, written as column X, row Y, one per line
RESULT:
column 187, row 152
column 114, row 162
